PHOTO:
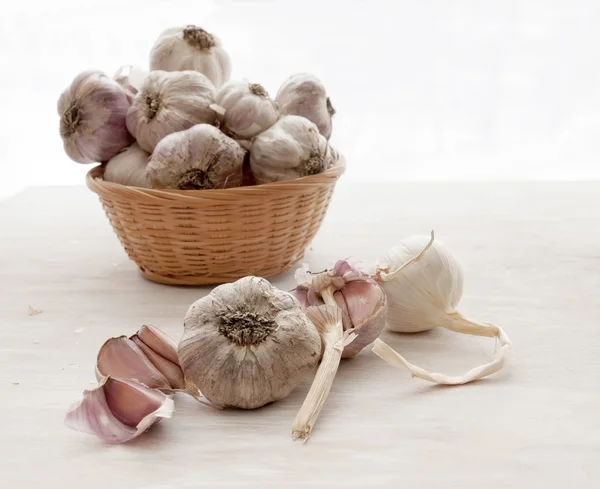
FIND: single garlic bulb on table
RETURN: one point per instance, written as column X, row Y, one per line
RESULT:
column 423, row 282
column 191, row 48
column 92, row 114
column 201, row 157
column 170, row 102
column 128, row 167
column 291, row 148
column 246, row 109
column 304, row 94
column 247, row 344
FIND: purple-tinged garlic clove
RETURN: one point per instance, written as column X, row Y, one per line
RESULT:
column 159, row 341
column 118, row 410
column 121, row 358
column 170, row 370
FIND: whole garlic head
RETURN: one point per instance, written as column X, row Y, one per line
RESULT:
column 92, row 118
column 248, row 110
column 304, row 94
column 170, row 102
column 191, row 48
column 291, row 148
column 247, row 344
column 128, row 167
column 201, row 157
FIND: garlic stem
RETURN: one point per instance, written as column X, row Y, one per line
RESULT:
column 328, row 320
column 388, row 354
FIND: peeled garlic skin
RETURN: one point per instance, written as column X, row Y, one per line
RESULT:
column 247, row 344
column 291, row 148
column 191, row 48
column 248, row 109
column 201, row 157
column 304, row 94
column 118, row 410
column 128, row 167
column 92, row 114
column 423, row 295
column 168, row 103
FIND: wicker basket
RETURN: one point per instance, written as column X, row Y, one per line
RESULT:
column 195, row 237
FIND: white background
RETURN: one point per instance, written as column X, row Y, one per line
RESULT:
column 424, row 89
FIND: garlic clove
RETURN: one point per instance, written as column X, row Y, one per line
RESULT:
column 159, row 341
column 122, row 358
column 170, row 370
column 118, row 410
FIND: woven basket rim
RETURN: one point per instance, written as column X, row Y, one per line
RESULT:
column 96, row 183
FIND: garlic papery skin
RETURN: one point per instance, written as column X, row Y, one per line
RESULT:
column 304, row 94
column 131, row 78
column 191, row 48
column 362, row 301
column 291, row 148
column 122, row 358
column 128, row 167
column 199, row 158
column 92, row 114
column 118, row 410
column 247, row 109
column 247, row 344
column 423, row 283
column 168, row 103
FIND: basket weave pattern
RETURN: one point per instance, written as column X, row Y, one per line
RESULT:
column 196, row 237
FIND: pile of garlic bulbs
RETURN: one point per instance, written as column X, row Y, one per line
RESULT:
column 184, row 124
column 247, row 344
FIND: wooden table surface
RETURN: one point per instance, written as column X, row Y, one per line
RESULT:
column 531, row 256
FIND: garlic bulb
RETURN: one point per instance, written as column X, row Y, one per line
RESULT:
column 92, row 118
column 361, row 300
column 247, row 344
column 304, row 94
column 128, row 167
column 191, row 48
column 423, row 283
column 118, row 410
column 131, row 78
column 247, row 109
column 149, row 357
column 170, row 102
column 291, row 148
column 201, row 157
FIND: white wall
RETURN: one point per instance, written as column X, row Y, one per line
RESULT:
column 425, row 89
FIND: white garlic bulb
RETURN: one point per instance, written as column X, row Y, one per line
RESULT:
column 247, row 108
column 131, row 78
column 291, row 148
column 92, row 114
column 191, row 48
column 247, row 344
column 201, row 157
column 423, row 283
column 128, row 167
column 304, row 94
column 170, row 102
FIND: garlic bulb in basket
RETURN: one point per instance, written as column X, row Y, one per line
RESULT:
column 128, row 167
column 191, row 48
column 291, row 148
column 248, row 110
column 304, row 94
column 201, row 157
column 170, row 102
column 423, row 283
column 247, row 344
column 92, row 118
